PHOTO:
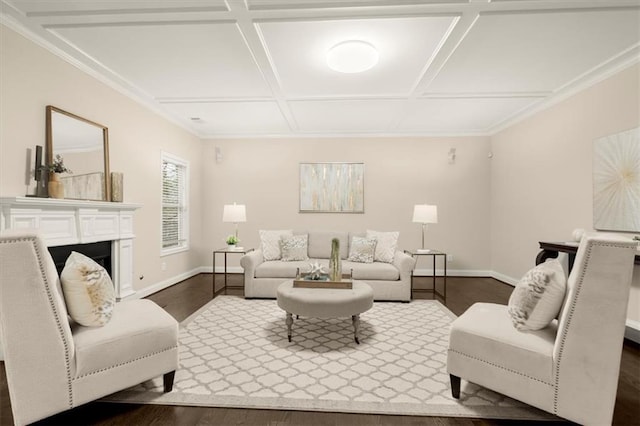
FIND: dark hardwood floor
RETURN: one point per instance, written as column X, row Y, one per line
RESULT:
column 182, row 299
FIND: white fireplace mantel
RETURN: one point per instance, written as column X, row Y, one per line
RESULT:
column 63, row 222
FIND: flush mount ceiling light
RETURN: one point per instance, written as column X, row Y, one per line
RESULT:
column 352, row 56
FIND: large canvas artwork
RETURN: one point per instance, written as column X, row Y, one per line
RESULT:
column 332, row 188
column 616, row 182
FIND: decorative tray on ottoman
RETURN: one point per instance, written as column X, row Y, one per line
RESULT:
column 303, row 281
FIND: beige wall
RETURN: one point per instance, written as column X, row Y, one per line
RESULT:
column 31, row 78
column 399, row 173
column 541, row 173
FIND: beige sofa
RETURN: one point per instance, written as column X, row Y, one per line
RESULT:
column 389, row 281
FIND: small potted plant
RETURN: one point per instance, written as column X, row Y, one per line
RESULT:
column 232, row 241
column 56, row 188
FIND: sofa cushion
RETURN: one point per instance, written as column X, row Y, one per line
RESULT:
column 88, row 291
column 320, row 244
column 270, row 243
column 284, row 270
column 386, row 246
column 362, row 249
column 294, row 247
column 371, row 271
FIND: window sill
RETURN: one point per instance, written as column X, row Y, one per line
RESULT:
column 173, row 250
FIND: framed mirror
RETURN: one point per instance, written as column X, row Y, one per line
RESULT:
column 84, row 147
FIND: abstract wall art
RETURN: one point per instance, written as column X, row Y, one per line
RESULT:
column 88, row 186
column 616, row 182
column 331, row 187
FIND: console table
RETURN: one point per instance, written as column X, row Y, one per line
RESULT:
column 225, row 251
column 550, row 250
column 434, row 253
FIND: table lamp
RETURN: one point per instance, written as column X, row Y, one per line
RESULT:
column 234, row 213
column 424, row 213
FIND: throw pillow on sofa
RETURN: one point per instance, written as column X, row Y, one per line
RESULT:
column 386, row 246
column 538, row 296
column 362, row 249
column 270, row 243
column 294, row 247
column 88, row 291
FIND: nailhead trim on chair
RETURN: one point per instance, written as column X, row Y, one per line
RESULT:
column 125, row 363
column 563, row 338
column 501, row 367
column 56, row 314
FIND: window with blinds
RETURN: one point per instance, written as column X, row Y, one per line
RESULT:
column 175, row 229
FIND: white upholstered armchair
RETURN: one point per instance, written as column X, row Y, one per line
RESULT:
column 569, row 368
column 52, row 365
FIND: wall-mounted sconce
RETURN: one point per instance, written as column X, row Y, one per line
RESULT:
column 218, row 155
column 452, row 155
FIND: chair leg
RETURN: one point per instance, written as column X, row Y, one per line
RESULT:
column 168, row 381
column 455, row 386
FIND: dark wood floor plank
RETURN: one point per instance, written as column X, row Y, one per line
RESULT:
column 182, row 299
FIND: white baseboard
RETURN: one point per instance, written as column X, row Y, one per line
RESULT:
column 504, row 278
column 147, row 291
column 632, row 330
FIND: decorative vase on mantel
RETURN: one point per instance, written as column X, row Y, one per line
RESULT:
column 335, row 263
column 55, row 187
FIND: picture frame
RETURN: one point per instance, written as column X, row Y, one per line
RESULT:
column 331, row 187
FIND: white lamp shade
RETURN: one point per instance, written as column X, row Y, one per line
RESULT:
column 234, row 213
column 424, row 213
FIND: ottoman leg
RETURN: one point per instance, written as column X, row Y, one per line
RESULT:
column 289, row 323
column 356, row 327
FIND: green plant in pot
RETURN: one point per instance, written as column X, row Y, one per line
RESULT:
column 232, row 241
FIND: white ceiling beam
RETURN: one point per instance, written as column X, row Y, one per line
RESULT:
column 338, row 10
column 256, row 46
column 451, row 41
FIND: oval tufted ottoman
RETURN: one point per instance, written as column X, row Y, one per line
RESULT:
column 325, row 303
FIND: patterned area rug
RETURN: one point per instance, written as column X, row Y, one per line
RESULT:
column 234, row 353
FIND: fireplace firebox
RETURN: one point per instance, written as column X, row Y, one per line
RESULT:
column 100, row 252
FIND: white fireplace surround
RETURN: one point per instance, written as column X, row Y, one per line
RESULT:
column 63, row 222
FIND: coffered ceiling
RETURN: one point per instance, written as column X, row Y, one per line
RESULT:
column 258, row 67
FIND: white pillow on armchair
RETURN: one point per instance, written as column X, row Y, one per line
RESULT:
column 538, row 296
column 88, row 291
